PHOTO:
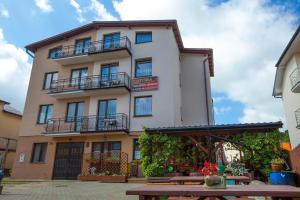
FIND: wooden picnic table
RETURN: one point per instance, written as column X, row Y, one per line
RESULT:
column 155, row 191
column 182, row 179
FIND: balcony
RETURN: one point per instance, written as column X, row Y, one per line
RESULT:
column 87, row 124
column 295, row 80
column 96, row 51
column 90, row 85
column 297, row 115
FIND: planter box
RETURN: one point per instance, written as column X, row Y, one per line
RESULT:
column 104, row 179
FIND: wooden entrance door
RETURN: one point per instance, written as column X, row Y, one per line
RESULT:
column 68, row 160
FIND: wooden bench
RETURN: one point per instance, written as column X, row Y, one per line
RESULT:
column 150, row 192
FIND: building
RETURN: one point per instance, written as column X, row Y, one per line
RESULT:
column 287, row 87
column 94, row 88
column 10, row 121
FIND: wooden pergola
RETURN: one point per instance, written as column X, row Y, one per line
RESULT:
column 209, row 138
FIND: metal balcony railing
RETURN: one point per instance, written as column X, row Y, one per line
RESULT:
column 99, row 46
column 109, row 123
column 120, row 79
column 297, row 115
column 295, row 77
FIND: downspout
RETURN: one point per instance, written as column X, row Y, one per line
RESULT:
column 129, row 120
column 206, row 92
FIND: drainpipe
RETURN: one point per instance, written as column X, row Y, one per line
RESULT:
column 129, row 120
column 206, row 92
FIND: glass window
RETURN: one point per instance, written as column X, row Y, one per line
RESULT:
column 143, row 68
column 136, row 150
column 109, row 72
column 75, row 111
column 82, row 46
column 55, row 52
column 49, row 79
column 78, row 76
column 45, row 113
column 143, row 37
column 111, row 41
column 143, row 106
column 39, row 152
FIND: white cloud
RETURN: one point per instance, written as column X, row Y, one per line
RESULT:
column 44, row 5
column 101, row 12
column 4, row 12
column 221, row 110
column 78, row 9
column 247, row 37
column 15, row 72
column 219, row 99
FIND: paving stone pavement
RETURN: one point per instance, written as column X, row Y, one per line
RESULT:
column 67, row 190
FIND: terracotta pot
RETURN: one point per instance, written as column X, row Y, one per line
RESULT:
column 276, row 167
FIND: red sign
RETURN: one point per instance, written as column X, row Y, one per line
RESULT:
column 144, row 84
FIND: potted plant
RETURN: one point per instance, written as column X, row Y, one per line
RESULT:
column 112, row 159
column 91, row 160
column 277, row 164
column 212, row 179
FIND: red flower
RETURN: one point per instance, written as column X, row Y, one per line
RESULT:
column 209, row 169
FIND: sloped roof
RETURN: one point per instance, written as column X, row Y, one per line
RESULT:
column 8, row 109
column 138, row 23
column 292, row 47
column 219, row 129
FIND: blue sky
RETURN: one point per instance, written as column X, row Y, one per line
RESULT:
column 247, row 38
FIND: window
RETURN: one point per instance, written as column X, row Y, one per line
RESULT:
column 111, row 41
column 101, row 147
column 143, row 37
column 78, row 77
column 75, row 111
column 45, row 113
column 136, row 150
column 109, row 72
column 143, row 68
column 106, row 113
column 39, row 152
column 82, row 46
column 143, row 106
column 55, row 52
column 49, row 79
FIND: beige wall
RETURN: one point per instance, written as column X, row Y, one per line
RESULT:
column 28, row 170
column 291, row 101
column 9, row 128
column 9, row 124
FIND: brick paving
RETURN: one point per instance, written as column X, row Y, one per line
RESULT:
column 67, row 190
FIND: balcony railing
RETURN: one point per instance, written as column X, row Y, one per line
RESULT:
column 297, row 115
column 109, row 123
column 295, row 79
column 120, row 79
column 95, row 47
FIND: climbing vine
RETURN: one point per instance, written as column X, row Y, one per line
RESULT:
column 261, row 148
column 156, row 149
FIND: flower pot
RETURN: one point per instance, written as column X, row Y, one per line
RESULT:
column 276, row 167
column 215, row 181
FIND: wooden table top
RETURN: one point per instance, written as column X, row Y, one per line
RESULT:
column 201, row 178
column 200, row 191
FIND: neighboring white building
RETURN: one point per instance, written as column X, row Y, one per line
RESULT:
column 287, row 86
